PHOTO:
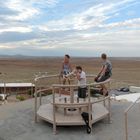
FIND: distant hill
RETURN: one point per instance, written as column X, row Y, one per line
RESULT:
column 19, row 56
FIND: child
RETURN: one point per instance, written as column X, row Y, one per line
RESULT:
column 81, row 76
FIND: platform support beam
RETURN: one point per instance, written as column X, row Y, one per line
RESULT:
column 40, row 98
column 89, row 109
column 109, row 109
column 35, row 105
column 71, row 95
column 54, row 110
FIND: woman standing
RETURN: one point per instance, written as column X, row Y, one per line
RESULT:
column 66, row 68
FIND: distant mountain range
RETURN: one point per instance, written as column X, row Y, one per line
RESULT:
column 19, row 56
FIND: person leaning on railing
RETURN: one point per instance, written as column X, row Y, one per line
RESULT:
column 105, row 73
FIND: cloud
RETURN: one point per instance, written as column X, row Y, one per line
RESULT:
column 5, row 47
column 6, row 11
column 10, row 37
column 16, row 29
column 82, row 21
column 20, row 10
column 44, row 26
column 133, row 23
column 24, row 10
column 44, row 3
column 93, row 17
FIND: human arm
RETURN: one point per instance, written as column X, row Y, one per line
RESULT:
column 98, row 75
column 62, row 66
column 70, row 66
column 71, row 73
column 102, row 72
column 78, row 76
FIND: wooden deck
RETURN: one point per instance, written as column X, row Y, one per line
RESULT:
column 45, row 112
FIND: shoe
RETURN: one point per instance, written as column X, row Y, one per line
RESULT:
column 106, row 94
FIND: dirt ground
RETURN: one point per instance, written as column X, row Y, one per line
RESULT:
column 24, row 69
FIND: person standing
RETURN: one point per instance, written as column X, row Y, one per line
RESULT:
column 66, row 68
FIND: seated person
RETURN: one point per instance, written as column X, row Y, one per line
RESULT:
column 66, row 68
column 105, row 73
column 81, row 76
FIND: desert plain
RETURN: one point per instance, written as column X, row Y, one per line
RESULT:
column 24, row 69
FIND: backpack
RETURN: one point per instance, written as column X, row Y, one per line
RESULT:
column 85, row 117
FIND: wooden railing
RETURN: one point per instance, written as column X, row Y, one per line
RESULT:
column 71, row 87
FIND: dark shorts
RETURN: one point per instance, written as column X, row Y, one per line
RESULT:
column 103, row 78
column 82, row 92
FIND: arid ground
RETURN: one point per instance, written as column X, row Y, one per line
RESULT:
column 23, row 69
column 18, row 117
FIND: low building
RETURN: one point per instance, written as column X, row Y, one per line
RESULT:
column 17, row 88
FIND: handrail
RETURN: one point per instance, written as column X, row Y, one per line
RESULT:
column 105, row 98
column 76, row 85
column 131, row 105
column 55, row 86
column 68, row 105
column 46, row 76
column 126, row 118
column 83, row 103
column 42, row 90
column 58, row 75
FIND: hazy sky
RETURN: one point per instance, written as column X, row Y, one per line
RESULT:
column 76, row 27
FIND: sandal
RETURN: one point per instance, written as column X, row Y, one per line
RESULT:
column 106, row 94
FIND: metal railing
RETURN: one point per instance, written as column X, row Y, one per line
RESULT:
column 126, row 117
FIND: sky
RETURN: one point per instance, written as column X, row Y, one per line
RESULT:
column 75, row 27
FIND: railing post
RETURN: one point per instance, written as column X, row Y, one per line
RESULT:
column 40, row 99
column 104, row 102
column 4, row 88
column 126, row 117
column 90, row 109
column 71, row 95
column 126, row 126
column 54, row 114
column 109, row 108
column 35, row 104
column 59, row 79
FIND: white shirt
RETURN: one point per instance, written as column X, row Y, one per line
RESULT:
column 82, row 80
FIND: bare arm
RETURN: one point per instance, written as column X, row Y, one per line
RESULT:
column 100, row 71
column 70, row 67
column 78, row 76
column 103, row 71
column 62, row 68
